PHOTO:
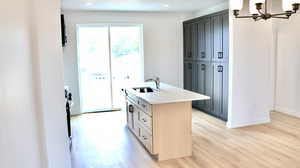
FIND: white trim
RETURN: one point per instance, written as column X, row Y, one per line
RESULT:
column 78, row 69
column 288, row 111
column 110, row 69
column 244, row 124
column 108, row 25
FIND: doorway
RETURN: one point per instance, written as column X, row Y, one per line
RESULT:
column 110, row 57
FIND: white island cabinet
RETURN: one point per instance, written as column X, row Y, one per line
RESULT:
column 162, row 120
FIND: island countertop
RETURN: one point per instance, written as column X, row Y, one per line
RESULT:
column 167, row 94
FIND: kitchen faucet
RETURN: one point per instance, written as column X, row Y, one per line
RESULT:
column 156, row 80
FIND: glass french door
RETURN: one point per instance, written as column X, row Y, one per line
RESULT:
column 110, row 57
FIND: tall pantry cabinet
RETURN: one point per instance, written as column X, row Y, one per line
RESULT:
column 206, row 51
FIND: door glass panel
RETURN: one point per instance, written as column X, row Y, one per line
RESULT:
column 94, row 68
column 126, row 58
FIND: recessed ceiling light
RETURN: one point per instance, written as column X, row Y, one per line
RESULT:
column 166, row 5
column 89, row 4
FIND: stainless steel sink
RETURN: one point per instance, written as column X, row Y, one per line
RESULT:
column 144, row 89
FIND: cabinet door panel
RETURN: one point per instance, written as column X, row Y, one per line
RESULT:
column 194, row 41
column 201, row 41
column 217, row 31
column 220, row 90
column 188, row 76
column 187, row 41
column 204, row 84
column 225, row 36
column 130, row 110
column 208, row 40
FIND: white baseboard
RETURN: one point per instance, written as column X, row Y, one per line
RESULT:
column 287, row 111
column 244, row 124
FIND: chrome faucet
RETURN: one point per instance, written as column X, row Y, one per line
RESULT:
column 156, row 80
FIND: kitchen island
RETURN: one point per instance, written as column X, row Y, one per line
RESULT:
column 162, row 119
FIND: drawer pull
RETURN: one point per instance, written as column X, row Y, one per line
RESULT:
column 145, row 138
column 144, row 120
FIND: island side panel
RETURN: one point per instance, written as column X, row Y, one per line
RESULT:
column 172, row 130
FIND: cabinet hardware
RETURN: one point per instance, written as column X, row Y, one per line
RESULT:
column 145, row 138
column 202, row 54
column 220, row 68
column 220, row 55
column 131, row 108
column 203, row 67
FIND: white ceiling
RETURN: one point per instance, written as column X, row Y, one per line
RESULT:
column 139, row 5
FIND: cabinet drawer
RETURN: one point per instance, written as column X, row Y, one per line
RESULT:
column 146, row 121
column 136, row 127
column 146, row 139
column 146, row 107
column 132, row 97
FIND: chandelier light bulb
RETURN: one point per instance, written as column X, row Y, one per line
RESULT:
column 287, row 5
column 252, row 7
column 236, row 4
column 295, row 1
column 259, row 9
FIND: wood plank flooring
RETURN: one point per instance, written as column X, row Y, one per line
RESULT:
column 102, row 141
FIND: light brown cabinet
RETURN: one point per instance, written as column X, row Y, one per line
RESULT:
column 163, row 129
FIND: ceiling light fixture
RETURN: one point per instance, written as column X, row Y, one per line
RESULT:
column 166, row 5
column 89, row 4
column 257, row 13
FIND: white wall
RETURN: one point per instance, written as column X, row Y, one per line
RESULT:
column 251, row 71
column 19, row 139
column 212, row 9
column 49, row 71
column 33, row 131
column 163, row 44
column 287, row 38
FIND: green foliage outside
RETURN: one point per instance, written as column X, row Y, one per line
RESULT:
column 123, row 46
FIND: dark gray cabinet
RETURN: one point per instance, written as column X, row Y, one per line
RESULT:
column 194, row 40
column 220, row 90
column 201, row 40
column 225, row 29
column 188, row 75
column 190, row 41
column 190, row 78
column 187, row 41
column 206, row 46
column 204, row 40
column 217, row 35
column 204, row 84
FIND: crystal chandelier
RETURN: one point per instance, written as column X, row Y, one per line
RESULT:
column 259, row 9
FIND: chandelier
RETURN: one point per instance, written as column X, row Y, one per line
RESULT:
column 259, row 9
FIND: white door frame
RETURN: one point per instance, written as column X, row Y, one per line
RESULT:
column 108, row 25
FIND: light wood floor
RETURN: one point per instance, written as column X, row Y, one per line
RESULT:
column 102, row 141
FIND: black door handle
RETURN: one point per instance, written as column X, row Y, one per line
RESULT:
column 202, row 54
column 203, row 67
column 220, row 68
column 131, row 108
column 220, row 55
